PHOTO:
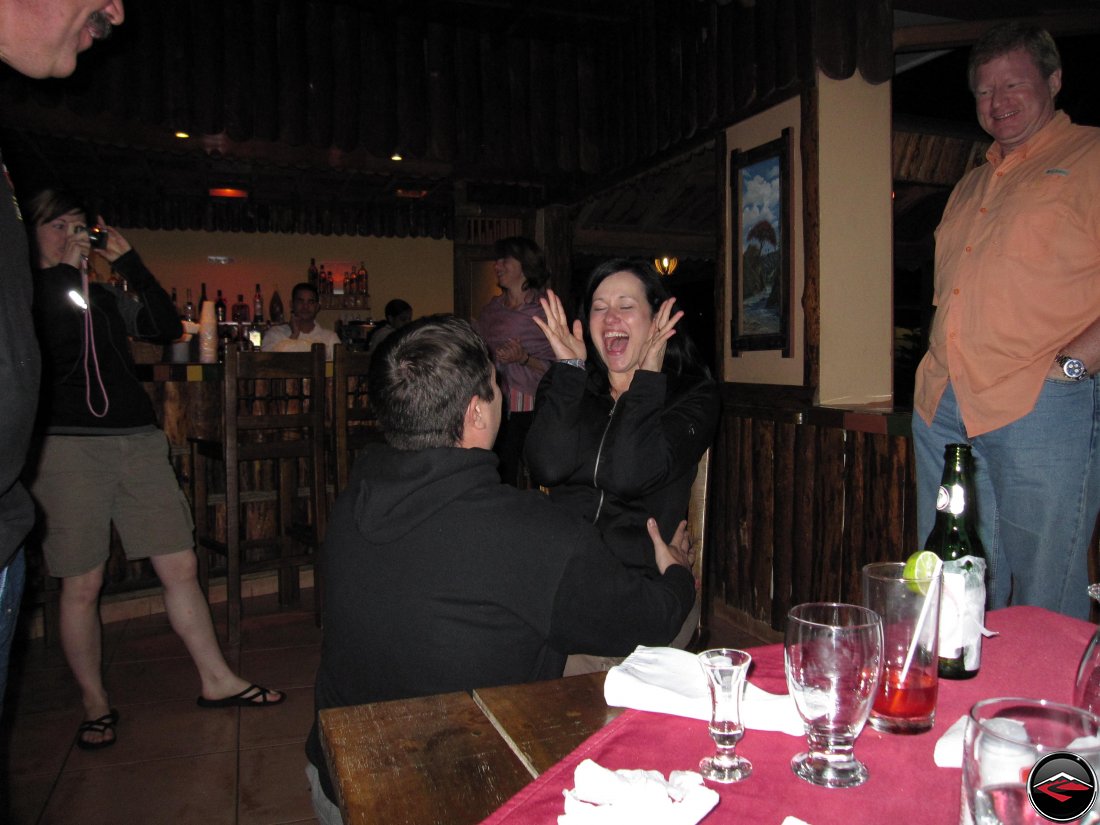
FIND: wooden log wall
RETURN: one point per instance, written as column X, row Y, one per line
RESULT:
column 797, row 508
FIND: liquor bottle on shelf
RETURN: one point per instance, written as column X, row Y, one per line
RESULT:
column 202, row 298
column 176, row 303
column 313, row 276
column 220, row 308
column 258, row 306
column 240, row 312
column 954, row 538
column 189, row 308
column 275, row 308
column 361, row 279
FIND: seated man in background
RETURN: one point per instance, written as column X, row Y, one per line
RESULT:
column 398, row 313
column 303, row 331
column 440, row 578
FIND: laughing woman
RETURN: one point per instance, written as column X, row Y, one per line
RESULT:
column 623, row 417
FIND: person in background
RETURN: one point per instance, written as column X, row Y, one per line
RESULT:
column 1015, row 340
column 104, row 461
column 624, row 414
column 398, row 313
column 303, row 331
column 519, row 350
column 476, row 583
column 38, row 40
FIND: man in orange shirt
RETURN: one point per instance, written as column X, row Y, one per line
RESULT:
column 1015, row 340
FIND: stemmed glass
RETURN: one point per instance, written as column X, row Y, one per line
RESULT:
column 725, row 669
column 1086, row 692
column 833, row 657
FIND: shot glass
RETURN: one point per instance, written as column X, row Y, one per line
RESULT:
column 910, row 610
column 725, row 669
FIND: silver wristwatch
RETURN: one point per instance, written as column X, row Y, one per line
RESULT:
column 1073, row 369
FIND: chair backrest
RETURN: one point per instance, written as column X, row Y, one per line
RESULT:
column 353, row 423
column 697, row 530
column 275, row 409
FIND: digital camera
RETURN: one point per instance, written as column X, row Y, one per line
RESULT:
column 96, row 234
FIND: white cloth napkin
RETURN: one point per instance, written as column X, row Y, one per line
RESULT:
column 635, row 797
column 668, row 680
column 949, row 747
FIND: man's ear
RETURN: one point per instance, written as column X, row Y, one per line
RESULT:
column 473, row 423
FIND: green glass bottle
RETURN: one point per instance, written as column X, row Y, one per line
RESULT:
column 954, row 538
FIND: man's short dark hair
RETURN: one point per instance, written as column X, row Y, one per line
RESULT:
column 398, row 307
column 305, row 286
column 1008, row 37
column 422, row 379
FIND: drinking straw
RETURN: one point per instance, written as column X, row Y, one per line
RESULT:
column 913, row 643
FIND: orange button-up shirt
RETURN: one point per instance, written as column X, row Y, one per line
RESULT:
column 1017, row 275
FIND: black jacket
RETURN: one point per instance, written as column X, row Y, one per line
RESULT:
column 19, row 371
column 618, row 463
column 145, row 311
column 439, row 578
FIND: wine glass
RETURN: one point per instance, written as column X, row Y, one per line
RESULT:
column 833, row 658
column 725, row 670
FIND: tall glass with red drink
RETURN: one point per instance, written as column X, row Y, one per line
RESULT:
column 909, row 608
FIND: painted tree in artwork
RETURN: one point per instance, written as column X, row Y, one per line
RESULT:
column 758, row 239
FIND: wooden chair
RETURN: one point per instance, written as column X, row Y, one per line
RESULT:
column 353, row 424
column 697, row 530
column 271, row 436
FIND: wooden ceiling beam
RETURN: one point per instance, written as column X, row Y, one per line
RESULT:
column 965, row 33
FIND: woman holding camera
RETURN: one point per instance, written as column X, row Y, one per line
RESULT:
column 104, row 460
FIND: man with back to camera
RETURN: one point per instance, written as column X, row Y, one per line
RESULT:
column 303, row 331
column 38, row 40
column 1015, row 339
column 440, row 578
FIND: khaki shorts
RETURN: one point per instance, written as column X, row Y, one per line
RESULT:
column 85, row 483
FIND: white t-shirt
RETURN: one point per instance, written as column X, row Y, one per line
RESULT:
column 277, row 339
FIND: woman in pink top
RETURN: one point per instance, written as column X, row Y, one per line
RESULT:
column 520, row 350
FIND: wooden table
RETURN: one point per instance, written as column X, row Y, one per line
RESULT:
column 455, row 758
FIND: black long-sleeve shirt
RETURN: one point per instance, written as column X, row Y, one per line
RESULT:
column 144, row 311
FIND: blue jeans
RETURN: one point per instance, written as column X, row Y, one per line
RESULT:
column 1038, row 486
column 11, row 593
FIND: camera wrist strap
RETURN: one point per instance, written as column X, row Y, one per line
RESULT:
column 89, row 347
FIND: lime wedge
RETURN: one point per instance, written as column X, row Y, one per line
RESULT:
column 920, row 565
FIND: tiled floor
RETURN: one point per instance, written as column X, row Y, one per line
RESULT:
column 175, row 762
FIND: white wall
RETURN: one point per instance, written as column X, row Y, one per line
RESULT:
column 857, row 326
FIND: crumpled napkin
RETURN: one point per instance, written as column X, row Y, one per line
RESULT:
column 669, row 680
column 635, row 797
column 950, row 746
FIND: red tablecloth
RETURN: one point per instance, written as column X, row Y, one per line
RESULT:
column 1035, row 656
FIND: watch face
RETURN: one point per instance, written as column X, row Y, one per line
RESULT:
column 1073, row 368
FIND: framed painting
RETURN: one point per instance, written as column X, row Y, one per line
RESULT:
column 760, row 183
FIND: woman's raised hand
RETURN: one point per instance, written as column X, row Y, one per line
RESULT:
column 568, row 344
column 661, row 329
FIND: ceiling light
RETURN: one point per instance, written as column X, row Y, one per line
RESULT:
column 227, row 192
column 666, row 265
column 182, row 135
column 396, row 156
column 412, row 194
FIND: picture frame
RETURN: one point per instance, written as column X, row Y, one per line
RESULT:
column 761, row 188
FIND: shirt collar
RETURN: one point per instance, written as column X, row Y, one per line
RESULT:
column 1053, row 130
